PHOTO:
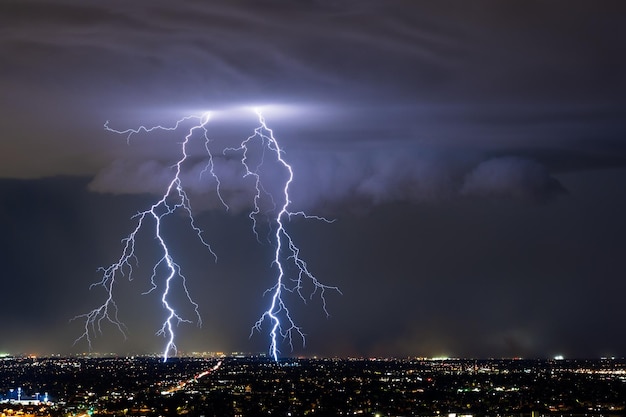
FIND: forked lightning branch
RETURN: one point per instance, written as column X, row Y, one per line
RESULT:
column 166, row 271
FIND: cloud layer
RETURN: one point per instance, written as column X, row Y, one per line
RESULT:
column 379, row 73
column 338, row 181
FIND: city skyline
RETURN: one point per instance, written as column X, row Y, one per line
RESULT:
column 260, row 386
column 471, row 155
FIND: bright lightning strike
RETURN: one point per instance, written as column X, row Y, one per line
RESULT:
column 278, row 314
column 174, row 199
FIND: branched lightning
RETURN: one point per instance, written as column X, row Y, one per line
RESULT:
column 285, row 248
column 173, row 199
column 166, row 272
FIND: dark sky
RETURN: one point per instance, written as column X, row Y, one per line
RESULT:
column 473, row 155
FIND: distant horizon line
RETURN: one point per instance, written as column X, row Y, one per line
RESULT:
column 265, row 355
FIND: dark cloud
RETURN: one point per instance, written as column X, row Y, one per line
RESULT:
column 325, row 181
column 512, row 177
column 332, row 182
column 528, row 76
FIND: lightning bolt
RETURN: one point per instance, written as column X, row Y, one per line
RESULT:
column 174, row 198
column 278, row 314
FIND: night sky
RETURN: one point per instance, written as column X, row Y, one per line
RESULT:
column 472, row 153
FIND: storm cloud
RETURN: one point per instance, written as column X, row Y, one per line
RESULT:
column 444, row 77
column 330, row 182
column 512, row 177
